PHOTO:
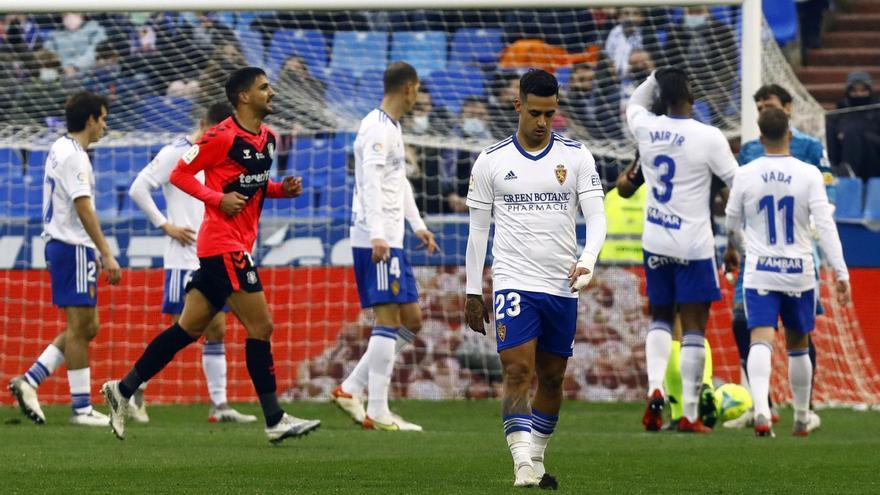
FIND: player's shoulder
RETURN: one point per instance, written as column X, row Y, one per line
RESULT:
column 226, row 130
column 497, row 146
column 64, row 148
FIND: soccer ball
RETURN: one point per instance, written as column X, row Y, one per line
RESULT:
column 732, row 401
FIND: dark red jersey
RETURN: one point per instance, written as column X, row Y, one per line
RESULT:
column 234, row 159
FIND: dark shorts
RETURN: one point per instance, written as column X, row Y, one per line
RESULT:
column 219, row 276
column 176, row 280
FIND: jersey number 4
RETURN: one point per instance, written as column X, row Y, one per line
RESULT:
column 665, row 178
column 786, row 205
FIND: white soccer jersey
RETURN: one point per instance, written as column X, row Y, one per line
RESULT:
column 775, row 196
column 679, row 157
column 382, row 197
column 68, row 176
column 183, row 210
column 535, row 199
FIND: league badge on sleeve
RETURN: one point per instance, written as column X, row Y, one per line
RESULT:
column 561, row 174
column 190, row 154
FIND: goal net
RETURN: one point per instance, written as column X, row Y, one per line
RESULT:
column 161, row 70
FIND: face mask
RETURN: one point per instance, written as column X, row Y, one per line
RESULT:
column 72, row 22
column 860, row 101
column 48, row 75
column 639, row 76
column 693, row 21
column 420, row 123
column 473, row 127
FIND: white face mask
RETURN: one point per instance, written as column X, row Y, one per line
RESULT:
column 692, row 20
column 420, row 123
column 72, row 22
column 473, row 126
column 48, row 75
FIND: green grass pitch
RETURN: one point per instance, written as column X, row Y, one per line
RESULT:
column 598, row 448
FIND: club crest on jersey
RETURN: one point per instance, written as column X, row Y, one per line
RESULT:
column 252, row 277
column 271, row 149
column 561, row 174
column 395, row 287
column 502, row 331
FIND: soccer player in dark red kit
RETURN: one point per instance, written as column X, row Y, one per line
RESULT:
column 236, row 156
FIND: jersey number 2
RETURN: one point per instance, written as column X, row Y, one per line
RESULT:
column 665, row 178
column 513, row 309
column 786, row 205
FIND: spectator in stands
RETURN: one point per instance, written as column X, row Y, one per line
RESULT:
column 18, row 35
column 42, row 96
column 225, row 59
column 426, row 118
column 708, row 51
column 75, row 44
column 301, row 103
column 630, row 34
column 592, row 101
column 505, row 89
column 854, row 136
column 810, row 13
column 640, row 67
column 106, row 73
column 455, row 164
column 423, row 162
column 208, row 32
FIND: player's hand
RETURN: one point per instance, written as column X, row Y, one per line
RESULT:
column 114, row 273
column 292, row 186
column 183, row 235
column 576, row 272
column 844, row 296
column 731, row 259
column 381, row 250
column 232, row 202
column 428, row 241
column 475, row 313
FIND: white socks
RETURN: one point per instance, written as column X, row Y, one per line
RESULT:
column 519, row 443
column 658, row 345
column 360, row 375
column 45, row 365
column 214, row 365
column 759, row 376
column 380, row 356
column 693, row 358
column 80, row 390
column 800, row 375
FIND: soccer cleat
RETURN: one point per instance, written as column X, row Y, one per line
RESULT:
column 538, row 466
column 653, row 418
column 291, row 426
column 685, row 426
column 747, row 420
column 92, row 418
column 524, row 476
column 391, row 423
column 672, row 425
column 137, row 408
column 227, row 414
column 814, row 421
column 350, row 404
column 707, row 410
column 26, row 395
column 763, row 427
column 548, row 482
column 118, row 405
column 800, row 428
column 774, row 414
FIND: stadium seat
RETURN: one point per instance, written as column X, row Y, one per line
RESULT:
column 782, row 17
column 335, row 198
column 309, row 44
column 106, row 196
column 121, row 163
column 342, row 94
column 872, row 200
column 359, row 51
column 424, row 50
column 850, row 192
column 23, row 197
column 316, row 158
column 159, row 113
column 10, row 162
column 480, row 46
column 251, row 43
column 451, row 86
column 370, row 90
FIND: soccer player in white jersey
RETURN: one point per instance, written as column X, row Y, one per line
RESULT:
column 185, row 215
column 775, row 196
column 73, row 234
column 383, row 199
column 679, row 156
column 533, row 182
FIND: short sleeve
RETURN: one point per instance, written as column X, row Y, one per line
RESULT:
column 76, row 176
column 721, row 159
column 589, row 184
column 481, row 194
column 375, row 145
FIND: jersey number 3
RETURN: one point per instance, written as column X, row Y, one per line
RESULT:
column 665, row 178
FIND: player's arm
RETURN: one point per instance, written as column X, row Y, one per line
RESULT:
column 150, row 178
column 734, row 214
column 414, row 218
column 479, row 200
column 631, row 179
column 289, row 187
column 375, row 155
column 721, row 160
column 204, row 155
column 75, row 180
column 590, row 197
column 829, row 239
column 639, row 103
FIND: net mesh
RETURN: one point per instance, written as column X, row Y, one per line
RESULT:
column 161, row 70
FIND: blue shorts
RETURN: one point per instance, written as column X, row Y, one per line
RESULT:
column 390, row 282
column 521, row 316
column 797, row 309
column 738, row 289
column 677, row 281
column 74, row 273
